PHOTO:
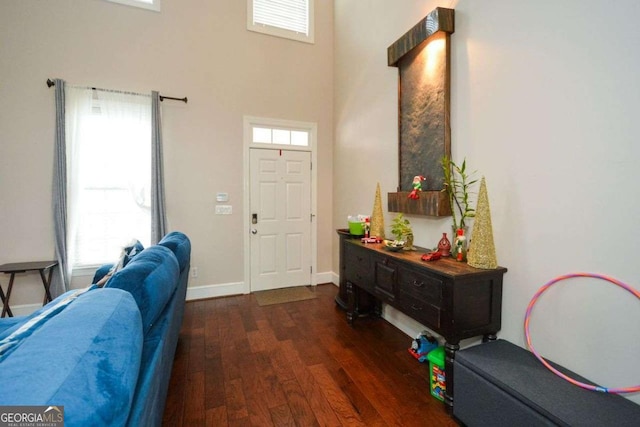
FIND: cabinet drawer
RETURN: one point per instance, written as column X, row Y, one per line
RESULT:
column 385, row 278
column 357, row 266
column 424, row 312
column 421, row 286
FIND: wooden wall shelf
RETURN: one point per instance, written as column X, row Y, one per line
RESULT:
column 440, row 19
column 430, row 203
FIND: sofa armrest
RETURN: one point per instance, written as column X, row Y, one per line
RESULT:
column 85, row 358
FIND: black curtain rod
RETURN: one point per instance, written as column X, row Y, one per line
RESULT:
column 162, row 98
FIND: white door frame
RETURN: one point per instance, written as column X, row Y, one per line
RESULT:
column 248, row 123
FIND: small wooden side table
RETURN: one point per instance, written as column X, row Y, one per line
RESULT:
column 24, row 267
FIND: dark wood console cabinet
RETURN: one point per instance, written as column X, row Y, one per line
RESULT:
column 451, row 298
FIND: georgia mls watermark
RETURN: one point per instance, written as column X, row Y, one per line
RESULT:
column 32, row 416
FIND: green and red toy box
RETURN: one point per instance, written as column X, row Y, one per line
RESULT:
column 437, row 383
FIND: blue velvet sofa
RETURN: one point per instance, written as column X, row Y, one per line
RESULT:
column 104, row 354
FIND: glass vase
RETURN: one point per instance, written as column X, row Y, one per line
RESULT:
column 408, row 242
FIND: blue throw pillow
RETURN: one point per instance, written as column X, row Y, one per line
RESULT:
column 128, row 253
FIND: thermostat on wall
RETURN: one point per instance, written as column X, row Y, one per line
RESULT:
column 222, row 197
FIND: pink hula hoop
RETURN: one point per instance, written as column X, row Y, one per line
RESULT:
column 527, row 318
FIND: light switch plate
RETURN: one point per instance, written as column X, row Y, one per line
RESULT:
column 224, row 210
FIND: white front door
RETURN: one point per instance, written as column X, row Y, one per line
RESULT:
column 280, row 218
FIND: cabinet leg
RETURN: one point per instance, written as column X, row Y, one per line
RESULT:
column 450, row 354
column 377, row 308
column 352, row 312
column 489, row 337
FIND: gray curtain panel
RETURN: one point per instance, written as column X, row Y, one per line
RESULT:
column 61, row 280
column 158, row 210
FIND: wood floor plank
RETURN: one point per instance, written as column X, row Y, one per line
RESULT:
column 231, row 360
column 383, row 399
column 342, row 406
column 281, row 364
column 248, row 320
column 362, row 405
column 259, row 412
column 196, row 350
column 194, row 408
column 271, row 388
column 300, row 409
column 214, row 383
column 217, row 416
column 281, row 416
column 174, row 405
column 235, row 401
column 312, row 389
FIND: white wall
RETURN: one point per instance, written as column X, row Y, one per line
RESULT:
column 194, row 48
column 544, row 103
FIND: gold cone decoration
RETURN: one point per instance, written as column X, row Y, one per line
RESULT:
column 377, row 217
column 482, row 251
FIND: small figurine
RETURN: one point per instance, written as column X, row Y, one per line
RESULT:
column 460, row 251
column 417, row 187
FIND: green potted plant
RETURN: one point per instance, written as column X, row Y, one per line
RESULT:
column 457, row 183
column 401, row 229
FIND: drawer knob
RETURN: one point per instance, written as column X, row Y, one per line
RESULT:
column 415, row 307
column 418, row 284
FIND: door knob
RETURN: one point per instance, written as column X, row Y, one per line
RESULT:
column 254, row 231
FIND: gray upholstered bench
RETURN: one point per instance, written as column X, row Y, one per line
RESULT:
column 500, row 384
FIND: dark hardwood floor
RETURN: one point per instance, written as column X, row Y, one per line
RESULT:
column 297, row 364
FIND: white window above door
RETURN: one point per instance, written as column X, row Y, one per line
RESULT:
column 262, row 135
column 287, row 134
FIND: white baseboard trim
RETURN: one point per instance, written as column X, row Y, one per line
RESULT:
column 403, row 322
column 213, row 291
column 327, row 277
column 238, row 288
column 335, row 279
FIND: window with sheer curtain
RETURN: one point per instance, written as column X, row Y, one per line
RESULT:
column 109, row 173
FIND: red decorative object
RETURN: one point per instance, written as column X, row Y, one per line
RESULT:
column 444, row 245
column 460, row 250
column 431, row 256
column 417, row 187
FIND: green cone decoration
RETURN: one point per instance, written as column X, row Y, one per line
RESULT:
column 377, row 217
column 482, row 251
